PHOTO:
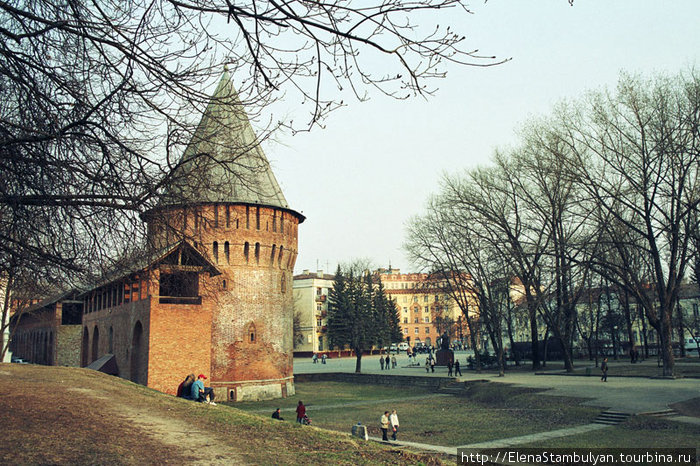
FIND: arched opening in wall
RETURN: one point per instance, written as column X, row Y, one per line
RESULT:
column 251, row 333
column 247, row 217
column 215, row 250
column 246, row 251
column 228, row 216
column 279, row 260
column 84, row 349
column 226, row 252
column 223, row 284
column 272, row 254
column 111, row 340
column 257, row 218
column 137, row 359
column 283, row 283
column 95, row 343
column 257, row 253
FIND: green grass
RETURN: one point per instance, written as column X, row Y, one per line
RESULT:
column 491, row 411
column 636, row 432
column 330, row 393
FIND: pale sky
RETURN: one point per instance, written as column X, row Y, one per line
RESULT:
column 359, row 180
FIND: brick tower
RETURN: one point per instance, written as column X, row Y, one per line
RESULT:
column 224, row 200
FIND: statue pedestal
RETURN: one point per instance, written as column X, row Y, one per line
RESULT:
column 444, row 356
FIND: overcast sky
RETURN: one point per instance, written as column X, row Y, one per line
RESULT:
column 359, row 180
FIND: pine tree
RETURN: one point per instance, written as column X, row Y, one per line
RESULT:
column 360, row 315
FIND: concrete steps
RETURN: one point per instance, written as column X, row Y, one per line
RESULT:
column 662, row 413
column 611, row 418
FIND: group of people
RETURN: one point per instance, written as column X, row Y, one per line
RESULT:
column 386, row 362
column 389, row 421
column 194, row 389
column 315, row 358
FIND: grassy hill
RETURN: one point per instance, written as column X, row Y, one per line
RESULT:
column 61, row 415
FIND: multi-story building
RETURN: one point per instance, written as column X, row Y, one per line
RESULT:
column 425, row 309
column 311, row 291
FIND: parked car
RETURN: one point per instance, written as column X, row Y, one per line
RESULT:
column 403, row 346
column 394, row 348
column 691, row 344
column 17, row 360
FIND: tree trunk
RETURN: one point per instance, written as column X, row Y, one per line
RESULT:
column 532, row 311
column 681, row 332
column 358, row 361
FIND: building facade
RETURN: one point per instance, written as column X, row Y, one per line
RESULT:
column 311, row 291
column 212, row 293
column 425, row 309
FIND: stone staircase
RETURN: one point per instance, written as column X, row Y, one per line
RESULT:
column 611, row 418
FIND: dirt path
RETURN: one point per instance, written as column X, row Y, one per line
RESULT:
column 203, row 446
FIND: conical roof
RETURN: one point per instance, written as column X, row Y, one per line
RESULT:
column 224, row 161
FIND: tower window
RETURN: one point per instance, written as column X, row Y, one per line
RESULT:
column 257, row 253
column 251, row 333
column 247, row 217
column 215, row 249
column 228, row 216
column 283, row 284
column 246, row 251
column 226, row 252
column 272, row 254
column 257, row 218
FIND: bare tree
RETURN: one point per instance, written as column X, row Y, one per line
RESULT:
column 637, row 157
column 99, row 101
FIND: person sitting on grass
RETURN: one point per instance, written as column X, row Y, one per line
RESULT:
column 184, row 390
column 276, row 415
column 201, row 393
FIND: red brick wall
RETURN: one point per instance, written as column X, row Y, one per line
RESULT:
column 254, row 293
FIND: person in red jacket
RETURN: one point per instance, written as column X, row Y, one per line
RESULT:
column 301, row 412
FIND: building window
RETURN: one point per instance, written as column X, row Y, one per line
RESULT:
column 415, row 299
column 319, row 307
column 226, row 252
column 405, row 320
column 223, row 285
column 273, row 253
column 251, row 332
column 425, row 309
column 415, row 320
column 405, row 310
column 405, row 331
column 228, row 216
column 425, row 298
column 274, row 221
column 415, row 330
column 215, row 249
column 257, row 218
column 257, row 253
column 427, row 329
column 319, row 322
column 247, row 217
column 279, row 259
column 426, row 319
column 246, row 251
column 283, row 283
column 405, row 299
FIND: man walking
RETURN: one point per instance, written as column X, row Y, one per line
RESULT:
column 604, row 368
column 381, row 361
column 457, row 370
column 384, row 425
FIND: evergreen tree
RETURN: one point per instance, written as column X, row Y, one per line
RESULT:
column 360, row 315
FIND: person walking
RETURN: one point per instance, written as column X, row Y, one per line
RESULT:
column 432, row 365
column 394, row 421
column 427, row 365
column 381, row 361
column 384, row 425
column 449, row 368
column 387, row 362
column 457, row 370
column 604, row 368
column 393, row 362
column 301, row 412
column 323, row 358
